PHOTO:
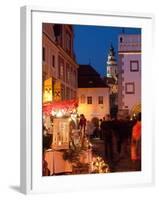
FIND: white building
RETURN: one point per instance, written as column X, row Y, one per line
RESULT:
column 93, row 93
column 129, row 79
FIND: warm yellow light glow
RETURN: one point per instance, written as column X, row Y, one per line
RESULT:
column 70, row 119
column 59, row 114
column 47, row 95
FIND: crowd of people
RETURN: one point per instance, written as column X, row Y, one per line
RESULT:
column 121, row 137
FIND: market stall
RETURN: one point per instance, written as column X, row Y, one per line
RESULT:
column 68, row 152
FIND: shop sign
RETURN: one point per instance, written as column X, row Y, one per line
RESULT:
column 57, row 90
column 47, row 94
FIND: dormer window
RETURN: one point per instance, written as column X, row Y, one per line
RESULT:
column 68, row 41
column 121, row 39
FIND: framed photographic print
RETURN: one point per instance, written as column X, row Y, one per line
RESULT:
column 86, row 100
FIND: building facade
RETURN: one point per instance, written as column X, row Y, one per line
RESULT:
column 129, row 78
column 58, row 60
column 93, row 93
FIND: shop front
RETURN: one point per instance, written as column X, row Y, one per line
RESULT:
column 65, row 150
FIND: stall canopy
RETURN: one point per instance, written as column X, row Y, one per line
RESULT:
column 67, row 106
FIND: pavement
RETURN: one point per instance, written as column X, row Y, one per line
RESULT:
column 121, row 162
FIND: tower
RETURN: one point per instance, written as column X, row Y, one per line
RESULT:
column 111, row 64
column 112, row 81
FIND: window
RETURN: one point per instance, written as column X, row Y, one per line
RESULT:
column 60, row 68
column 68, row 75
column 53, row 61
column 121, row 39
column 71, row 76
column 74, row 94
column 74, row 78
column 67, row 93
column 67, row 72
column 68, row 42
column 63, row 92
column 130, row 88
column 71, row 94
column 83, row 98
column 89, row 100
column 100, row 100
column 134, row 65
column 43, row 54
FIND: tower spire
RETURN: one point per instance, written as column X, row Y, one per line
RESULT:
column 111, row 64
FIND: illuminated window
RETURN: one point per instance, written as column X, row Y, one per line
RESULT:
column 100, row 100
column 89, row 100
column 83, row 98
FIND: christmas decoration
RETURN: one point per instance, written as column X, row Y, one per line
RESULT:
column 60, row 108
column 99, row 166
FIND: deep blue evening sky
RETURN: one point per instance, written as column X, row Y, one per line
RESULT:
column 92, row 43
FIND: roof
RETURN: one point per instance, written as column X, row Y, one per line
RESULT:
column 88, row 77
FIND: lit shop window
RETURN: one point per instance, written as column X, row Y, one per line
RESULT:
column 89, row 100
column 100, row 100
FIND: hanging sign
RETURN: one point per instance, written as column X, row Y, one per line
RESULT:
column 57, row 90
column 47, row 94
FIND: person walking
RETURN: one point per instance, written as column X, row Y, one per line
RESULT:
column 136, row 144
column 82, row 125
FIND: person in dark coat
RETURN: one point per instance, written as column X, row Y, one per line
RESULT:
column 107, row 136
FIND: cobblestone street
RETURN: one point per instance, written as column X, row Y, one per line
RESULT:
column 121, row 162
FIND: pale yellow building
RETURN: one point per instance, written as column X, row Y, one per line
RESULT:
column 93, row 93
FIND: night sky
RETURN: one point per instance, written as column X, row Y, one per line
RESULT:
column 92, row 43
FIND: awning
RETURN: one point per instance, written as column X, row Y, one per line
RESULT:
column 66, row 106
